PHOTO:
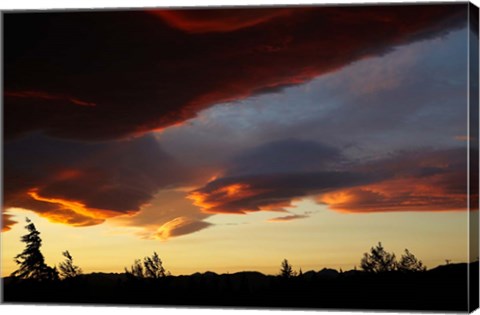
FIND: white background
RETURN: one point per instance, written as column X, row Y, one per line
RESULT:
column 66, row 4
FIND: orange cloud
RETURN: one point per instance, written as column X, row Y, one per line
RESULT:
column 464, row 138
column 179, row 226
column 418, row 181
column 422, row 180
column 7, row 222
column 71, row 212
column 213, row 201
column 403, row 194
column 166, row 229
column 84, row 184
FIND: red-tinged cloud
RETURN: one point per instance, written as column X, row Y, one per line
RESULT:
column 147, row 71
column 409, row 194
column 421, row 180
column 38, row 95
column 220, row 20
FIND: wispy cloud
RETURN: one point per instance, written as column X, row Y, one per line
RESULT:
column 288, row 218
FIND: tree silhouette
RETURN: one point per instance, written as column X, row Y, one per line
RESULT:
column 152, row 267
column 286, row 271
column 378, row 260
column 410, row 263
column 31, row 260
column 136, row 269
column 67, row 268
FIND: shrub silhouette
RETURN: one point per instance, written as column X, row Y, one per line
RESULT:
column 31, row 260
column 67, row 268
column 410, row 263
column 378, row 260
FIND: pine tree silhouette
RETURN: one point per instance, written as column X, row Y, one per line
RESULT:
column 286, row 271
column 31, row 260
column 67, row 268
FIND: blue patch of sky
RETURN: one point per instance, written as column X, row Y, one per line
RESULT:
column 410, row 98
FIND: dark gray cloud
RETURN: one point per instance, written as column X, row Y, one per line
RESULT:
column 242, row 194
column 86, row 183
column 270, row 176
column 286, row 156
column 429, row 174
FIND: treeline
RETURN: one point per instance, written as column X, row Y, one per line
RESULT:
column 32, row 263
column 383, row 283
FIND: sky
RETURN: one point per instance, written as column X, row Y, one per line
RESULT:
column 228, row 140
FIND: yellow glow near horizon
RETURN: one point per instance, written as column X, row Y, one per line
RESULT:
column 237, row 243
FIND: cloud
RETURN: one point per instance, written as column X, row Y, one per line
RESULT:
column 169, row 214
column 288, row 218
column 7, row 222
column 337, row 110
column 464, row 138
column 180, row 226
column 147, row 73
column 285, row 156
column 143, row 74
column 45, row 96
column 83, row 184
column 272, row 192
column 417, row 180
column 219, row 20
column 413, row 194
column 431, row 180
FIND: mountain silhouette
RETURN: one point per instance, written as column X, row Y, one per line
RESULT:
column 443, row 288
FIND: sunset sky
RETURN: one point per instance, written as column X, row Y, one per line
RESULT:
column 228, row 140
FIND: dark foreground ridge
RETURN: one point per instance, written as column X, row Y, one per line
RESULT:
column 443, row 288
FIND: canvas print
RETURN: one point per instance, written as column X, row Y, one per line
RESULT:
column 306, row 157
